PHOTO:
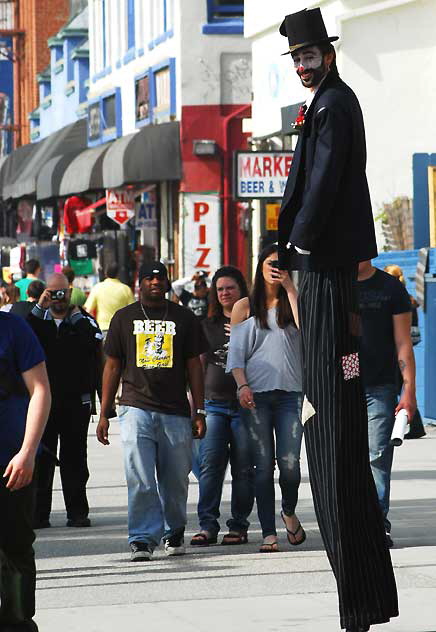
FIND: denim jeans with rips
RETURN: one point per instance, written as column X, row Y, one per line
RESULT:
column 275, row 431
column 157, row 460
column 381, row 402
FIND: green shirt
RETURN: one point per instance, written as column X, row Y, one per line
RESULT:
column 22, row 285
column 78, row 297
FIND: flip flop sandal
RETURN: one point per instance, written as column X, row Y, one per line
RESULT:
column 234, row 537
column 293, row 533
column 272, row 547
column 201, row 539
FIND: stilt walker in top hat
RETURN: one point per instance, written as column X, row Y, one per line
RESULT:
column 325, row 229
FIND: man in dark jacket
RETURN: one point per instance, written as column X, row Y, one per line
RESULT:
column 72, row 343
column 325, row 229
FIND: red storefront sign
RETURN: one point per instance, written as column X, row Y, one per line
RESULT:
column 120, row 205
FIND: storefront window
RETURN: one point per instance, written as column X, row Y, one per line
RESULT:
column 109, row 112
column 94, row 122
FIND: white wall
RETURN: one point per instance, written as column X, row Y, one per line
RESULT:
column 206, row 62
column 389, row 58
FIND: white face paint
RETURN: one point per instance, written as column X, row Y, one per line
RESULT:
column 307, row 59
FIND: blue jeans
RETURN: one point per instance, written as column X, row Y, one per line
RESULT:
column 157, row 460
column 381, row 402
column 226, row 437
column 275, row 431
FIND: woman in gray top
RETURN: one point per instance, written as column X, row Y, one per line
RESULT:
column 264, row 357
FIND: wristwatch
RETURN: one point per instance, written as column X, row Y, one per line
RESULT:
column 201, row 411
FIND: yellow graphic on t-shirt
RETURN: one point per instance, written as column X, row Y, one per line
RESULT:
column 154, row 344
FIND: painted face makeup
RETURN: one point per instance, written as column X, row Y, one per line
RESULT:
column 310, row 66
column 307, row 59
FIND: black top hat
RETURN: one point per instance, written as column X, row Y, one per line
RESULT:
column 304, row 28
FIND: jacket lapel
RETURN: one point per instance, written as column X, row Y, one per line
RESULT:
column 295, row 167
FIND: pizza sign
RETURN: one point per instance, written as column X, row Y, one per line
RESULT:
column 120, row 205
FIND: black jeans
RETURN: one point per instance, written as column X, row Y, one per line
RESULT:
column 17, row 559
column 69, row 423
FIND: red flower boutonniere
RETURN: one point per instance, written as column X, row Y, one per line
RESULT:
column 299, row 121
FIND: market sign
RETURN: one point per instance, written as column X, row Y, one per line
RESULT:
column 120, row 205
column 201, row 233
column 262, row 174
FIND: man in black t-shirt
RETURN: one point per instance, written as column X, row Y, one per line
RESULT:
column 153, row 345
column 386, row 344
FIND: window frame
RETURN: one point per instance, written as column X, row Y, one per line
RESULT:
column 152, row 71
column 114, row 132
column 227, row 24
column 151, row 97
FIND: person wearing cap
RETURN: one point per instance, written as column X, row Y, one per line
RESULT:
column 325, row 229
column 154, row 346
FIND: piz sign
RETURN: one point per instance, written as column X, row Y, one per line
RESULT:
column 262, row 174
column 120, row 205
column 201, row 232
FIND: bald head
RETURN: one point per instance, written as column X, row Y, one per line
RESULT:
column 57, row 281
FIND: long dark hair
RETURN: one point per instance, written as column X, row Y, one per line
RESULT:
column 258, row 296
column 327, row 47
column 215, row 311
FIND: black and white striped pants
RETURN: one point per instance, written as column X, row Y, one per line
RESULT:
column 336, row 435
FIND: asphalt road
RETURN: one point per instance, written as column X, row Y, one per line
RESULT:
column 87, row 584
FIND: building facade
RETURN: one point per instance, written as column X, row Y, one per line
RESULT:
column 35, row 23
column 63, row 84
column 186, row 63
column 134, row 134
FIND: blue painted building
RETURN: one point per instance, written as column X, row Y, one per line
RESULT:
column 63, row 85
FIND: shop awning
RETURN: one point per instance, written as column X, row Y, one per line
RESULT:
column 70, row 138
column 85, row 172
column 15, row 161
column 50, row 176
column 150, row 155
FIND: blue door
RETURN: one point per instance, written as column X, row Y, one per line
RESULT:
column 430, row 349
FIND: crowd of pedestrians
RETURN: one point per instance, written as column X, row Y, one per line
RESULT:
column 235, row 372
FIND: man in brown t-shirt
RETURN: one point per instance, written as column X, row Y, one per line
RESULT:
column 153, row 345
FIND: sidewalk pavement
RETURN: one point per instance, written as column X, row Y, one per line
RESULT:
column 87, row 584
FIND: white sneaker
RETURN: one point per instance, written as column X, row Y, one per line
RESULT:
column 174, row 545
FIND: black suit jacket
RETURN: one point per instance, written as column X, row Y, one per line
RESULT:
column 326, row 206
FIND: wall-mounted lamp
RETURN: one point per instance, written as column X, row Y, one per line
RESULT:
column 205, row 147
